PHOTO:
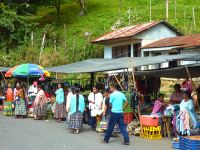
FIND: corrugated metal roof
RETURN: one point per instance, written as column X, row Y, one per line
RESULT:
column 130, row 31
column 180, row 42
column 100, row 65
column 177, row 72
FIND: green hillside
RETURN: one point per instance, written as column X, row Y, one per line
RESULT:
column 101, row 16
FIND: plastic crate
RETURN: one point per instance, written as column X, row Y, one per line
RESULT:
column 151, row 132
column 190, row 143
column 147, row 120
column 128, row 117
column 175, row 145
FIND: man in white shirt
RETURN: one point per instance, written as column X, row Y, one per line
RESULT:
column 32, row 92
column 95, row 99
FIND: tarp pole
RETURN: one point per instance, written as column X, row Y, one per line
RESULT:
column 91, row 80
column 119, row 83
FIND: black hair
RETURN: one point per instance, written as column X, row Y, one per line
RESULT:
column 177, row 86
column 60, row 84
column 96, row 87
column 113, row 86
column 107, row 90
column 39, row 86
column 188, row 94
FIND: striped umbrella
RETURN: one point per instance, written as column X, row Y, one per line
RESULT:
column 27, row 70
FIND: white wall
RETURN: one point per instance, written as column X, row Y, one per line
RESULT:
column 157, row 32
column 190, row 51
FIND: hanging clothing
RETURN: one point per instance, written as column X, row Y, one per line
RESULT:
column 186, row 115
column 77, row 106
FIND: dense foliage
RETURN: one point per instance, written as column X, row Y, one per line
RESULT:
column 61, row 30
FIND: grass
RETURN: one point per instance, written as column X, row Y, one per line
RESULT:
column 100, row 17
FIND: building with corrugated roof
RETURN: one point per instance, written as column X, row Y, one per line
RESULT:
column 127, row 41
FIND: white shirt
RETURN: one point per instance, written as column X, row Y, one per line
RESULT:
column 32, row 90
column 68, row 100
column 97, row 98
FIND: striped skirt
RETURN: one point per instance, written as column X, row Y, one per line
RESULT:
column 40, row 111
column 60, row 111
column 76, row 121
column 8, row 109
column 20, row 108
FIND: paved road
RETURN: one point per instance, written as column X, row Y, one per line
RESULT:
column 28, row 134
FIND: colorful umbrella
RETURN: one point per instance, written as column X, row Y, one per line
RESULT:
column 27, row 70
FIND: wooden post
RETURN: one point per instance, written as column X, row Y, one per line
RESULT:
column 150, row 11
column 167, row 9
column 42, row 47
column 92, row 80
column 193, row 14
column 119, row 83
column 32, row 38
column 55, row 46
column 175, row 9
column 65, row 39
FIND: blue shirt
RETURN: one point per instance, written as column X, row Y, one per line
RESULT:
column 81, row 107
column 117, row 100
column 60, row 98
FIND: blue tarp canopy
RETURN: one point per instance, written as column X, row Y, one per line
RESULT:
column 101, row 65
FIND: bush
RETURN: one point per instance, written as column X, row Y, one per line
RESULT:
column 25, row 9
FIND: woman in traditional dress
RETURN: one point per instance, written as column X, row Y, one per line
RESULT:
column 40, row 107
column 60, row 107
column 8, row 102
column 187, row 115
column 77, row 107
column 177, row 95
column 20, row 105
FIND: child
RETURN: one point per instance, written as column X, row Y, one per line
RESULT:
column 159, row 106
column 8, row 101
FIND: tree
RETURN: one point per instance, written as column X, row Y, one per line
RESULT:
column 57, row 4
column 13, row 29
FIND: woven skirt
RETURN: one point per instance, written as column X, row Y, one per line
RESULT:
column 60, row 111
column 20, row 108
column 40, row 111
column 76, row 121
column 8, row 109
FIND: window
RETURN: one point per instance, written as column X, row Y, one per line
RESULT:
column 137, row 50
column 121, row 51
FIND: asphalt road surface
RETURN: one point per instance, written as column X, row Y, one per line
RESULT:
column 28, row 134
